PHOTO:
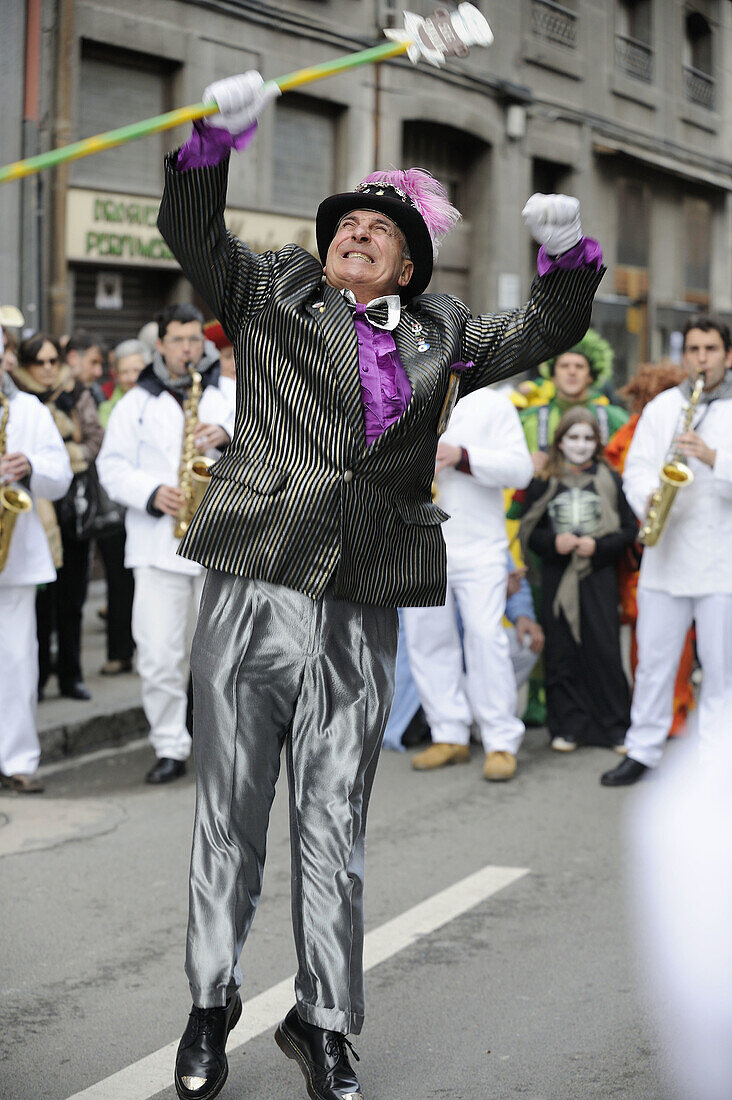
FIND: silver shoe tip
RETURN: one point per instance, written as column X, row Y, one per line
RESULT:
column 193, row 1084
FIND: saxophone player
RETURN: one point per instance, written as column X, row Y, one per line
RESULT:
column 687, row 576
column 32, row 455
column 139, row 466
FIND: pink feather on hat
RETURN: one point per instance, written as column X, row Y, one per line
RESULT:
column 428, row 195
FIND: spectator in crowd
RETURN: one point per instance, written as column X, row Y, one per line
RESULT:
column 34, row 459
column 579, row 523
column 649, row 381
column 574, row 378
column 407, row 725
column 60, row 605
column 481, row 452
column 9, row 353
column 130, row 358
column 214, row 332
column 139, row 467
column 85, row 353
column 687, row 575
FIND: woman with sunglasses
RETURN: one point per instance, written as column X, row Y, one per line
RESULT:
column 72, row 406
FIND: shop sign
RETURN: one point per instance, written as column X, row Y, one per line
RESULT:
column 113, row 229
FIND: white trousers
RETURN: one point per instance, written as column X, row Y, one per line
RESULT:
column 164, row 613
column 663, row 622
column 486, row 691
column 20, row 749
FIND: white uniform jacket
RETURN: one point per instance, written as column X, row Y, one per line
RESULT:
column 32, row 432
column 141, row 451
column 487, row 425
column 693, row 557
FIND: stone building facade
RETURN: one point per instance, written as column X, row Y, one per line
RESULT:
column 625, row 103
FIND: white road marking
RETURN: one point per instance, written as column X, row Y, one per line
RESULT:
column 153, row 1074
column 89, row 757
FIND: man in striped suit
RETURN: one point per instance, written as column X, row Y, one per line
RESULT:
column 318, row 524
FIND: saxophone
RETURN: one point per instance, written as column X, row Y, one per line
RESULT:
column 13, row 502
column 194, row 471
column 675, row 475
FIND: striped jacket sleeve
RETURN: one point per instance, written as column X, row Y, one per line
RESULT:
column 555, row 317
column 232, row 279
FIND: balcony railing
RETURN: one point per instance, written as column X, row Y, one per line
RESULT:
column 554, row 22
column 699, row 87
column 633, row 57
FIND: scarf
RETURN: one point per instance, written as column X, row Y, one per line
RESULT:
column 60, row 398
column 567, row 598
column 179, row 386
column 722, row 392
column 8, row 387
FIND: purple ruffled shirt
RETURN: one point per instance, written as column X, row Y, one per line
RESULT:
column 385, row 388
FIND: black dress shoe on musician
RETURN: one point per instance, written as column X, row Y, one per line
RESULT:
column 166, row 770
column 75, row 689
column 201, row 1067
column 322, row 1056
column 625, row 774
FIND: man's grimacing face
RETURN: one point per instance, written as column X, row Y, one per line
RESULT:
column 366, row 256
column 704, row 351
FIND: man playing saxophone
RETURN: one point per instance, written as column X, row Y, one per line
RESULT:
column 33, row 461
column 687, row 575
column 162, row 418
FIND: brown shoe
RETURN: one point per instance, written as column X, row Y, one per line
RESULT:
column 440, row 755
column 22, row 784
column 114, row 668
column 499, row 766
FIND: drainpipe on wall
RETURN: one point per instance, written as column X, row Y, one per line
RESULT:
column 31, row 214
column 59, row 294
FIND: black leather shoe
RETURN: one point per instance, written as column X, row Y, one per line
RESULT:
column 166, row 770
column 322, row 1056
column 76, row 689
column 626, row 773
column 201, row 1067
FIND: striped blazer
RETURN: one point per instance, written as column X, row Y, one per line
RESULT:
column 299, row 499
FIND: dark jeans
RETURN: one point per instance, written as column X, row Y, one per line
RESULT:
column 59, row 606
column 120, row 590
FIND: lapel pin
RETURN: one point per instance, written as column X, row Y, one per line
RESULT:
column 423, row 346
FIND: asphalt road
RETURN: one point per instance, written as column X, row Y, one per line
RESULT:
column 531, row 993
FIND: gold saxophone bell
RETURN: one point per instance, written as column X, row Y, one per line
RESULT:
column 13, row 502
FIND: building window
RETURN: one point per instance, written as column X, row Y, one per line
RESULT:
column 633, row 224
column 448, row 154
column 554, row 22
column 110, row 79
column 697, row 250
column 633, row 53
column 304, row 165
column 698, row 70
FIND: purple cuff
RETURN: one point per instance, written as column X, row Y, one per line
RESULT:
column 209, row 145
column 586, row 253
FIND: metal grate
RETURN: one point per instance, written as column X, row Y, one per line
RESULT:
column 554, row 22
column 699, row 87
column 633, row 57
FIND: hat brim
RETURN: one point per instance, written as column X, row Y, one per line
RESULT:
column 409, row 220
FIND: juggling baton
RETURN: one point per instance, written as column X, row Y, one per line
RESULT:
column 443, row 34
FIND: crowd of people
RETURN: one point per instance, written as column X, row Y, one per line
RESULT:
column 542, row 544
column 112, row 423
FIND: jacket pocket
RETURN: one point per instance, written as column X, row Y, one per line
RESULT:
column 422, row 513
column 257, row 476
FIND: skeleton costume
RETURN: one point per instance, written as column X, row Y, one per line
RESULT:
column 586, row 690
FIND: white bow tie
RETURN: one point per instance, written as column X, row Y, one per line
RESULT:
column 381, row 312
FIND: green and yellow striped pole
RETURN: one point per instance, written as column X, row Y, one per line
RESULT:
column 85, row 148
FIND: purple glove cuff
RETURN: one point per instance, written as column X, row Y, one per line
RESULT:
column 209, row 145
column 586, row 252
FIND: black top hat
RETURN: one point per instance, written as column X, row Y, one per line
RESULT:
column 399, row 208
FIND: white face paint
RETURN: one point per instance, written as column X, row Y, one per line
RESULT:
column 578, row 444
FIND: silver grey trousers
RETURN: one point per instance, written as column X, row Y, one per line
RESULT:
column 271, row 667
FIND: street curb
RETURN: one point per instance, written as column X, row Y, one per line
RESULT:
column 77, row 736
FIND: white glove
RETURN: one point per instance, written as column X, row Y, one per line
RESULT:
column 554, row 221
column 240, row 100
